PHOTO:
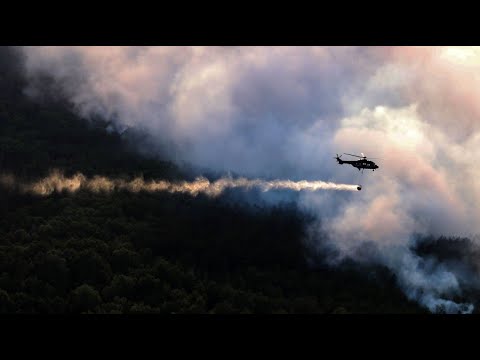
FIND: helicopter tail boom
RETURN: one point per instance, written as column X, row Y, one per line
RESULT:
column 340, row 161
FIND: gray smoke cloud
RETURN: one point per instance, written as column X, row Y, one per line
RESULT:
column 283, row 112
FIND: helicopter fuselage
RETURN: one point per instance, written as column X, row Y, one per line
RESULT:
column 360, row 164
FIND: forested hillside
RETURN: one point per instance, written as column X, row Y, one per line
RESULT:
column 149, row 253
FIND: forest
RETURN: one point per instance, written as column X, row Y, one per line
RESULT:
column 130, row 253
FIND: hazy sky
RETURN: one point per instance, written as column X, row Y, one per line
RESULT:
column 284, row 112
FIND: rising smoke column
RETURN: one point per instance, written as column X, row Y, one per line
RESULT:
column 283, row 112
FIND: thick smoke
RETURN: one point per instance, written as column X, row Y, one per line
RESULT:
column 284, row 112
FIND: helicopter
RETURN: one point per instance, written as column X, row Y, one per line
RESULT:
column 359, row 164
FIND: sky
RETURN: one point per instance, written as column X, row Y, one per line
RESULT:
column 284, row 112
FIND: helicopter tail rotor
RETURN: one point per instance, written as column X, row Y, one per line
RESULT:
column 338, row 159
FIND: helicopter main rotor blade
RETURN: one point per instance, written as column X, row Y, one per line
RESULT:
column 361, row 157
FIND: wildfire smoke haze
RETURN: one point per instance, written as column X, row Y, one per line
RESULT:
column 282, row 113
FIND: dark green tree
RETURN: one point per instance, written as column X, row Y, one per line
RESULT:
column 84, row 298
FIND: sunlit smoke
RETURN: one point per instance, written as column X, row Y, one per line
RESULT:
column 57, row 182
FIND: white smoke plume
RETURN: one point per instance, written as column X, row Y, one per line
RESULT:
column 57, row 182
column 283, row 112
